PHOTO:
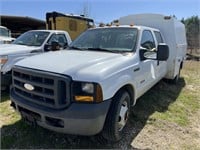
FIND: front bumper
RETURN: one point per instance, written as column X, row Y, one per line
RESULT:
column 78, row 118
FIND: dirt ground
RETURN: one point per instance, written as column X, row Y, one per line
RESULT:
column 170, row 136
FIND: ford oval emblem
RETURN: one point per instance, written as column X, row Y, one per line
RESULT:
column 29, row 87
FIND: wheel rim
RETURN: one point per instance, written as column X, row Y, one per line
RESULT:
column 123, row 115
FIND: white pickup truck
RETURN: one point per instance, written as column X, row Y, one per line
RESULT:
column 5, row 35
column 90, row 88
column 30, row 43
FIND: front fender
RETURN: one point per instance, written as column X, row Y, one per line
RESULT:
column 111, row 87
column 12, row 59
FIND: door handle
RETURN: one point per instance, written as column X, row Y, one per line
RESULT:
column 136, row 69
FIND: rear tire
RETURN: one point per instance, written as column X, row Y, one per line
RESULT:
column 117, row 117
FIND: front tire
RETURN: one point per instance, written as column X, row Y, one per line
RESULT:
column 117, row 117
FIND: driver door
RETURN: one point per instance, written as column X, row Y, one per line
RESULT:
column 148, row 75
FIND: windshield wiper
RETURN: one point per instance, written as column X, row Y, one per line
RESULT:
column 97, row 49
column 20, row 43
column 102, row 49
column 74, row 47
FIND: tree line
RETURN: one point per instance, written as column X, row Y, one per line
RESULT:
column 192, row 25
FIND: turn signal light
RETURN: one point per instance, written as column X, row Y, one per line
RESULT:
column 84, row 98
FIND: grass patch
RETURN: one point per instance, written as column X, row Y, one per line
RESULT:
column 186, row 104
column 172, row 103
column 8, row 115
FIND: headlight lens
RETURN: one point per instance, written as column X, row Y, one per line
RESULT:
column 88, row 87
column 3, row 60
column 87, row 92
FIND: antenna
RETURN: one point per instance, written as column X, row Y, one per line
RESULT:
column 86, row 9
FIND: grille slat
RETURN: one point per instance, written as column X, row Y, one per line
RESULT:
column 33, row 92
column 35, row 83
column 49, row 89
column 24, row 95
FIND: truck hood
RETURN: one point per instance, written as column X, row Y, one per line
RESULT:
column 4, row 38
column 9, row 49
column 80, row 65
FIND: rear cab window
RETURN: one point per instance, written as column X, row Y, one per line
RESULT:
column 158, row 37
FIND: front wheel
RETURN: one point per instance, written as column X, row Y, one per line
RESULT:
column 117, row 117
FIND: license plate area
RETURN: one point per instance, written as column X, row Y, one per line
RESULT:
column 29, row 117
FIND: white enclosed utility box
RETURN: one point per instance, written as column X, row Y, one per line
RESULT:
column 173, row 32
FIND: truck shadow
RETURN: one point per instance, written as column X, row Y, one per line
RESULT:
column 20, row 135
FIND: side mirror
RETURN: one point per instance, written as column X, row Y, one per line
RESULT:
column 162, row 52
column 142, row 52
column 47, row 47
column 55, row 46
column 147, row 54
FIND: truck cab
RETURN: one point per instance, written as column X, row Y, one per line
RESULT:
column 92, row 85
column 28, row 44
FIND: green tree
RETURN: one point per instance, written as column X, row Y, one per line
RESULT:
column 192, row 25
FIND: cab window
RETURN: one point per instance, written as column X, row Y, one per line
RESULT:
column 147, row 40
column 60, row 38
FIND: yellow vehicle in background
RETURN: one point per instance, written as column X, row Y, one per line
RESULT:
column 73, row 24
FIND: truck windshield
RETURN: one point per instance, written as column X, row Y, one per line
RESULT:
column 32, row 38
column 4, row 32
column 107, row 39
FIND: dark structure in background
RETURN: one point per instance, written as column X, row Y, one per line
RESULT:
column 21, row 24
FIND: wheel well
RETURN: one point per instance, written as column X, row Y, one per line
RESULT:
column 129, row 88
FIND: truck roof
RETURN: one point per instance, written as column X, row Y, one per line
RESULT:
column 127, row 26
column 51, row 31
column 3, row 27
column 57, row 14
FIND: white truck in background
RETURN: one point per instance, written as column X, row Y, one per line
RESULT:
column 28, row 44
column 89, row 89
column 5, row 35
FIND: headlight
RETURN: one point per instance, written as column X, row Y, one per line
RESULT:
column 87, row 87
column 3, row 60
column 87, row 92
